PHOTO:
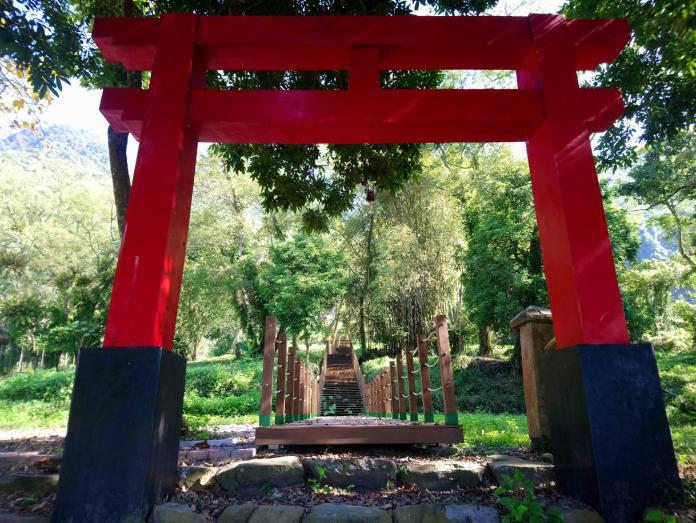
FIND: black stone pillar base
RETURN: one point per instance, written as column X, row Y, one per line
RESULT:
column 611, row 443
column 121, row 450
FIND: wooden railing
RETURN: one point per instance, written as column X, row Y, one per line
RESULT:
column 359, row 376
column 322, row 378
column 386, row 395
column 297, row 389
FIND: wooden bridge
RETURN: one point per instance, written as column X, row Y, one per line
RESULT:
column 338, row 407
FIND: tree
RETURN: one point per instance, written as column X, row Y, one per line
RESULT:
column 296, row 177
column 43, row 38
column 23, row 316
column 303, row 278
column 665, row 178
column 205, row 303
column 291, row 177
column 402, row 256
column 502, row 269
column 655, row 72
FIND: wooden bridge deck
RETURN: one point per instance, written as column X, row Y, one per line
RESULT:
column 357, row 430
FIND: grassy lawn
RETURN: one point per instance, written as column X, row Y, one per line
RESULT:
column 225, row 391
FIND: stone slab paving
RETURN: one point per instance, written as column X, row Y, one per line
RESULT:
column 445, row 513
column 176, row 513
column 28, row 484
column 340, row 513
column 216, row 454
column 29, row 459
column 6, row 517
column 443, row 475
column 360, row 473
column 347, row 513
column 261, row 473
column 539, row 472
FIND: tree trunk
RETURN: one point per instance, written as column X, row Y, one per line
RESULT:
column 516, row 357
column 361, row 319
column 120, row 179
column 32, row 354
column 20, row 364
column 118, row 145
column 307, row 346
column 680, row 235
column 484, row 341
column 42, row 363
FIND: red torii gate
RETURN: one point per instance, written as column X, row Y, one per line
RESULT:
column 549, row 111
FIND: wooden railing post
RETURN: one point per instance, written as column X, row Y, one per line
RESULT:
column 400, row 380
column 378, row 394
column 358, row 375
column 308, row 394
column 426, row 394
column 269, row 344
column 383, row 395
column 388, row 395
column 301, row 410
column 296, row 412
column 280, row 379
column 322, row 378
column 394, row 388
column 289, row 381
column 317, row 398
column 443, row 348
column 412, row 394
column 371, row 399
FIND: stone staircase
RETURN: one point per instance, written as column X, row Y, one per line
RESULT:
column 341, row 393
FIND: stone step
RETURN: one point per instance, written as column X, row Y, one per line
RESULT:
column 172, row 512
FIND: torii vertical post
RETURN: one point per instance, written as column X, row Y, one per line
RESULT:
column 121, row 448
column 604, row 399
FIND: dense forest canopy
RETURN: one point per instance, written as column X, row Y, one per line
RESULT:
column 288, row 230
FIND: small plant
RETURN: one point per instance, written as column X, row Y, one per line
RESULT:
column 390, row 484
column 518, row 496
column 315, row 484
column 656, row 515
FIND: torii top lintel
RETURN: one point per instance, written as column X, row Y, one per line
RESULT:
column 363, row 46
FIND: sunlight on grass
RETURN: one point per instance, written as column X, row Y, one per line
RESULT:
column 487, row 431
column 32, row 414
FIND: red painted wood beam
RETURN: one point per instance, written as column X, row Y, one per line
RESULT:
column 150, row 265
column 578, row 261
column 323, row 42
column 385, row 116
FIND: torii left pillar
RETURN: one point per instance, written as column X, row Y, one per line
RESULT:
column 125, row 418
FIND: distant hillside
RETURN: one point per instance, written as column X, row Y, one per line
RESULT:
column 69, row 146
column 64, row 148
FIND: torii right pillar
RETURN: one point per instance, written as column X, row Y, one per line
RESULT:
column 611, row 442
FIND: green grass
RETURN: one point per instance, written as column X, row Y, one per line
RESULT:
column 491, row 432
column 32, row 414
column 225, row 391
column 678, row 379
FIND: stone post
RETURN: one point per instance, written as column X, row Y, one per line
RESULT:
column 536, row 337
